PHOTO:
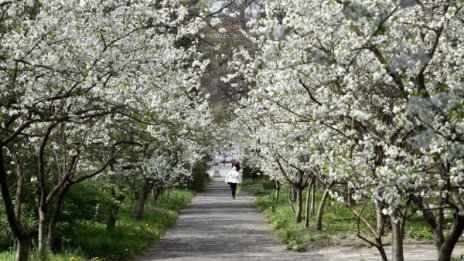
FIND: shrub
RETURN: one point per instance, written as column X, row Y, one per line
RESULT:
column 200, row 177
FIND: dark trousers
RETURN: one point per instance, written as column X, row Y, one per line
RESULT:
column 233, row 188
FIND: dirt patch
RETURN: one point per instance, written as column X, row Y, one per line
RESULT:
column 353, row 241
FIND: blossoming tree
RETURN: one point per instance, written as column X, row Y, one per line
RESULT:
column 380, row 87
column 71, row 73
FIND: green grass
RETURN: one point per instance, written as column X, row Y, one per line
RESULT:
column 261, row 187
column 131, row 237
column 64, row 256
column 338, row 221
column 91, row 240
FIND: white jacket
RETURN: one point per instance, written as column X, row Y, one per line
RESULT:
column 233, row 177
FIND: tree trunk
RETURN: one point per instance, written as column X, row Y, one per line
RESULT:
column 141, row 199
column 294, row 193
column 435, row 227
column 112, row 219
column 156, row 193
column 446, row 249
column 397, row 244
column 51, row 231
column 320, row 211
column 308, row 196
column 114, row 210
column 299, row 204
column 380, row 219
column 290, row 195
column 22, row 234
column 15, row 224
column 313, row 198
column 277, row 190
column 19, row 180
column 349, row 200
column 440, row 221
column 42, row 240
column 435, row 224
column 56, row 216
column 22, row 250
column 381, row 249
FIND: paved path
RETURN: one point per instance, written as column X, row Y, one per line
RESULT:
column 215, row 227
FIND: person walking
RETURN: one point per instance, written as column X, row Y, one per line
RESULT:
column 233, row 178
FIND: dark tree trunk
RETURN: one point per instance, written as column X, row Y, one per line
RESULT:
column 59, row 203
column 379, row 219
column 19, row 181
column 307, row 205
column 141, row 199
column 42, row 240
column 397, row 244
column 294, row 193
column 22, row 250
column 381, row 249
column 435, row 224
column 114, row 210
column 320, row 211
column 299, row 203
column 449, row 243
column 313, row 198
column 277, row 190
column 435, row 227
column 156, row 192
column 22, row 235
column 112, row 219
column 349, row 199
column 43, row 204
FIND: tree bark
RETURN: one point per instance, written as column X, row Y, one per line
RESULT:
column 56, row 216
column 380, row 248
column 435, row 227
column 141, row 199
column 156, row 193
column 299, row 203
column 294, row 193
column 277, row 190
column 313, row 198
column 22, row 234
column 307, row 206
column 379, row 218
column 320, row 211
column 447, row 248
column 114, row 210
column 19, row 181
column 42, row 240
column 22, row 250
column 397, row 244
column 432, row 222
column 349, row 199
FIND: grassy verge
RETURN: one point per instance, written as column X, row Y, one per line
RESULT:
column 91, row 240
column 339, row 224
